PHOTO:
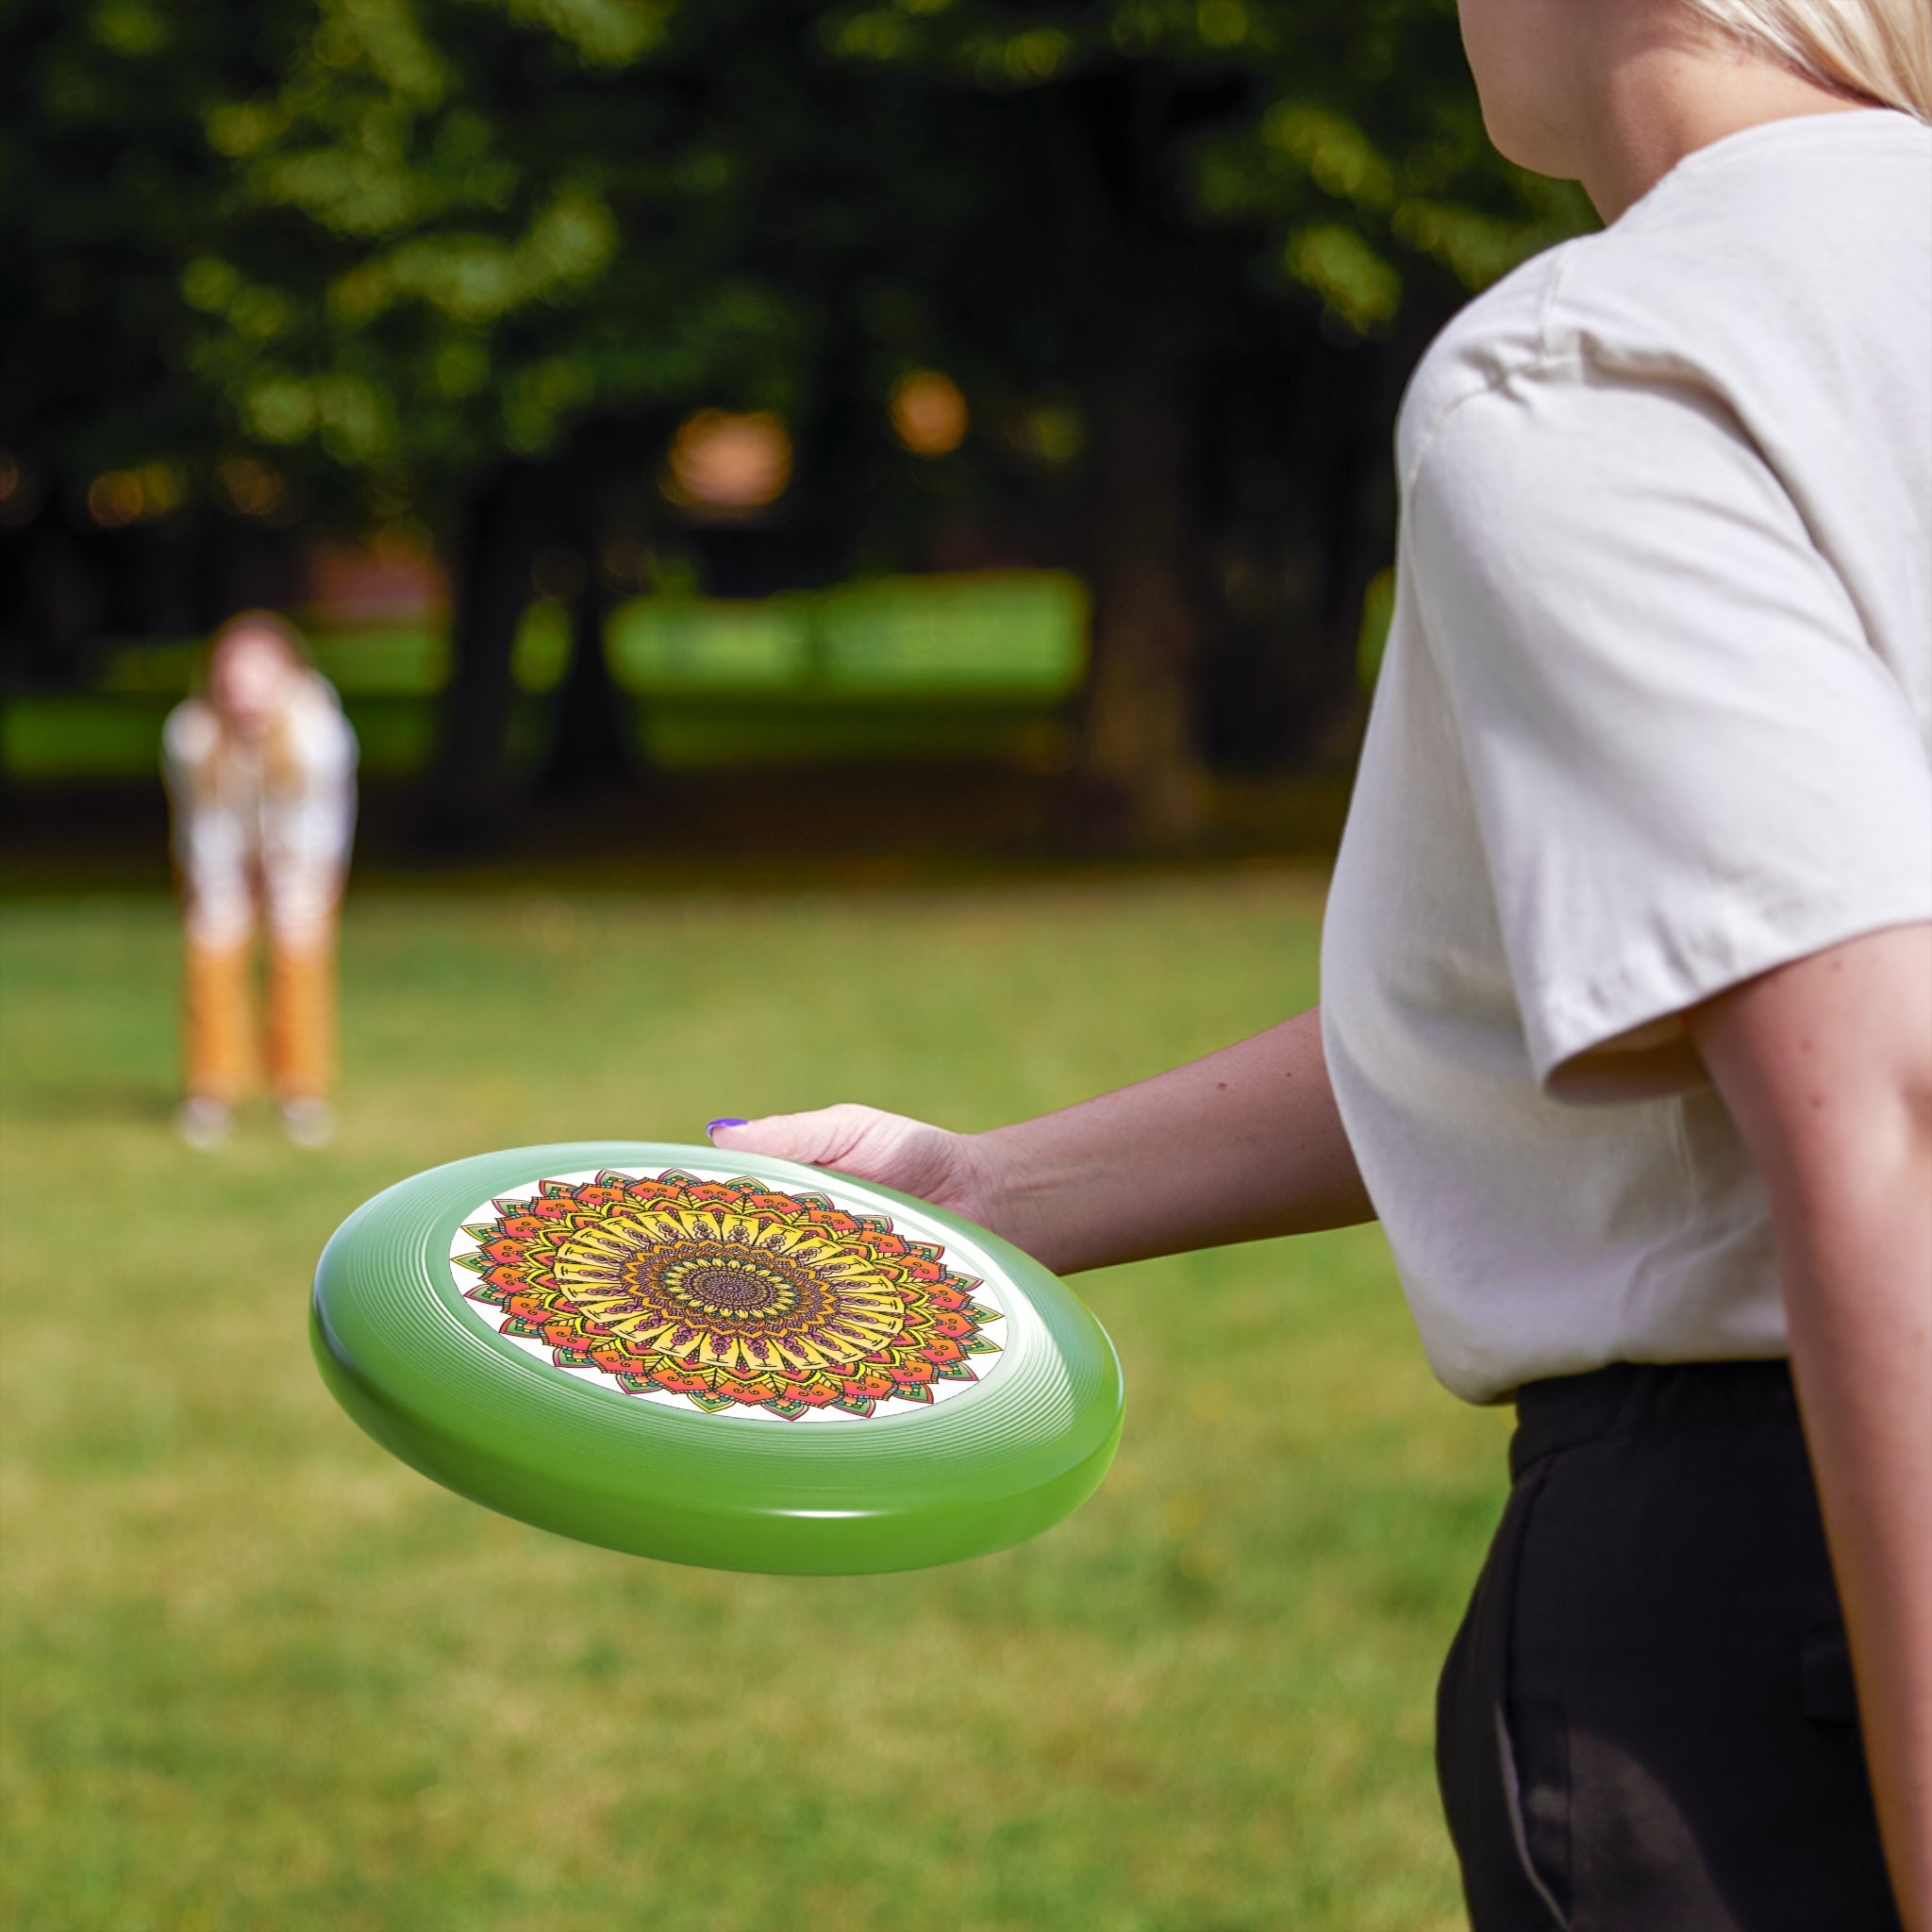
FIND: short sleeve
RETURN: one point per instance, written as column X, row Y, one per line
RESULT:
column 1688, row 763
column 322, row 738
column 188, row 742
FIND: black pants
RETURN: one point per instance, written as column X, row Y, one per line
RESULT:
column 1646, row 1721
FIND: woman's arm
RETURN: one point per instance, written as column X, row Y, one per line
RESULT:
column 1826, row 1068
column 1240, row 1145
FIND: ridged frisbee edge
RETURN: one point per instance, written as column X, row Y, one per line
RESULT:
column 796, row 1543
column 899, row 1493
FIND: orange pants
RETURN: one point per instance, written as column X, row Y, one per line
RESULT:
column 221, row 1046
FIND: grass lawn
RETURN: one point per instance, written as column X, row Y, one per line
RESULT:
column 258, row 1675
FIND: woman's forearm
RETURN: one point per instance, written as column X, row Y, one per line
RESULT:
column 1243, row 1144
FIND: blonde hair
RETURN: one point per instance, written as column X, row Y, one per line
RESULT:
column 1879, row 50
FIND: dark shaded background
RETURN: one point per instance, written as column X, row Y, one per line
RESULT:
column 390, row 314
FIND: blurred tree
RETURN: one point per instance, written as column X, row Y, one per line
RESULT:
column 506, row 246
column 471, row 261
column 508, row 231
column 1235, row 195
column 106, row 189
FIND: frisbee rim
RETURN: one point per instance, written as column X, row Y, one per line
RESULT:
column 433, row 1382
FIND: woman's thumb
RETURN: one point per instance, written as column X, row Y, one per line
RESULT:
column 815, row 1138
column 905, row 1153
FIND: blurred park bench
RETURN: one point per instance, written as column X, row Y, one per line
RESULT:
column 984, row 665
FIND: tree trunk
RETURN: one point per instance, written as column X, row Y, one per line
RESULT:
column 62, row 602
column 1140, row 741
column 1357, row 483
column 1133, row 306
column 591, row 742
column 467, row 800
column 594, row 744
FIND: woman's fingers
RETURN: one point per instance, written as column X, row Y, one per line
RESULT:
column 884, row 1147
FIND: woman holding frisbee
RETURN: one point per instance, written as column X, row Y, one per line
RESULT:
column 1626, row 1032
column 261, row 777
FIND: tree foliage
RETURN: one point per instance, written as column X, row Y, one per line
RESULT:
column 418, row 254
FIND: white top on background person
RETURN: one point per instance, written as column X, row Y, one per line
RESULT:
column 1666, row 732
column 264, row 807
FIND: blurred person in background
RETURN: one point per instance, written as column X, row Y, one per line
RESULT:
column 1626, row 1020
column 261, row 769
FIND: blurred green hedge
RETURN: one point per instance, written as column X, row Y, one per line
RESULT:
column 980, row 666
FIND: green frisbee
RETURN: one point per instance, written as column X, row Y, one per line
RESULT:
column 716, row 1359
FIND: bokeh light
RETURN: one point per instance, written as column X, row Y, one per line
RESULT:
column 726, row 464
column 929, row 415
column 1051, row 434
column 250, row 489
column 115, row 499
column 118, row 497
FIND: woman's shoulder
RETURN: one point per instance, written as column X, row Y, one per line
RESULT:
column 192, row 733
column 316, row 696
column 1756, row 266
column 319, row 732
column 1497, row 335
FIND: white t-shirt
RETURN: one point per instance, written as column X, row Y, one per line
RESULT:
column 1656, row 716
column 249, row 825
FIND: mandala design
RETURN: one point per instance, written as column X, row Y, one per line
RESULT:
column 726, row 1294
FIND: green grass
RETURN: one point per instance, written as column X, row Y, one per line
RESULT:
column 258, row 1675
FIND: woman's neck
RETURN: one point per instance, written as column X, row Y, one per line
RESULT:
column 1655, row 97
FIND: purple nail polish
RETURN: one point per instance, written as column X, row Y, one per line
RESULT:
column 713, row 1126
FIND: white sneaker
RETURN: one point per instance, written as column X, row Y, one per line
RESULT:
column 309, row 1121
column 204, row 1123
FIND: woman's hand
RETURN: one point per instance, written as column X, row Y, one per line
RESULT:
column 949, row 1170
column 1239, row 1146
